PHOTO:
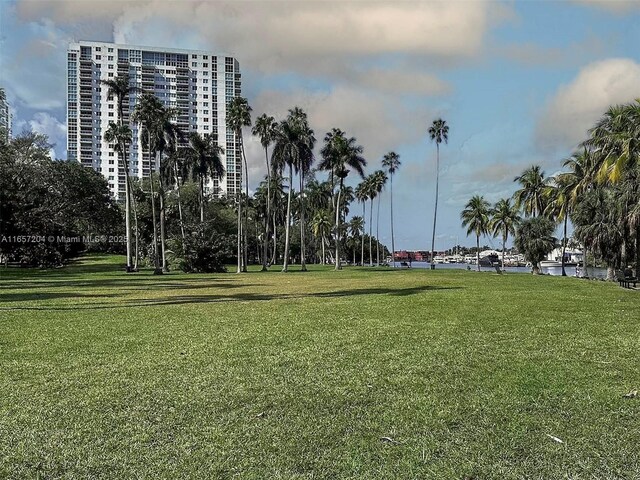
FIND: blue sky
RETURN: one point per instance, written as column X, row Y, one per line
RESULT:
column 518, row 82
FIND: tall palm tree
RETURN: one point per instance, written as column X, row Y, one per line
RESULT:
column 362, row 195
column 265, row 127
column 504, row 219
column 120, row 88
column 379, row 179
column 391, row 162
column 340, row 155
column 475, row 217
column 206, row 162
column 302, row 165
column 616, row 141
column 531, row 194
column 438, row 133
column 292, row 147
column 356, row 228
column 321, row 225
column 239, row 116
column 120, row 135
column 370, row 188
column 149, row 113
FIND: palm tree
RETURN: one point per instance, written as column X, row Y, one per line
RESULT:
column 205, row 161
column 340, row 155
column 356, row 228
column 391, row 162
column 370, row 189
column 504, row 219
column 148, row 114
column 616, row 141
column 379, row 179
column 265, row 127
column 302, row 166
column 293, row 146
column 438, row 132
column 475, row 217
column 239, row 116
column 531, row 195
column 321, row 225
column 534, row 239
column 120, row 88
column 362, row 194
column 121, row 136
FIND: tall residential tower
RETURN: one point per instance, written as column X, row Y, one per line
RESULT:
column 5, row 117
column 199, row 84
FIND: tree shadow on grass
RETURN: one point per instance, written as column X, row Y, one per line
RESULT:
column 239, row 297
column 126, row 283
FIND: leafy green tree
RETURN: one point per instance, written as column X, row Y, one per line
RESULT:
column 438, row 133
column 475, row 217
column 534, row 239
column 504, row 220
column 356, row 230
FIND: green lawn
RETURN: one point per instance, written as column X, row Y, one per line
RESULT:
column 362, row 373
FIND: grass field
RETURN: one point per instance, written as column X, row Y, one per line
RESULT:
column 362, row 373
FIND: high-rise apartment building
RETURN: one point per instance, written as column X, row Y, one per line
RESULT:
column 5, row 117
column 199, row 84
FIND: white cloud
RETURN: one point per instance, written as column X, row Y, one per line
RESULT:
column 48, row 125
column 576, row 106
column 618, row 7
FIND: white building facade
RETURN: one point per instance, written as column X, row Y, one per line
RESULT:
column 5, row 117
column 199, row 84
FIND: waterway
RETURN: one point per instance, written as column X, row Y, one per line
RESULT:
column 555, row 271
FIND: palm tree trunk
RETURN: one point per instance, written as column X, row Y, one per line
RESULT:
column 337, row 260
column 267, row 219
column 285, row 266
column 364, row 213
column 239, row 196
column 378, row 233
column 435, row 213
column 184, row 238
column 611, row 273
column 246, row 213
column 135, row 223
column 371, row 233
column 393, row 244
column 324, row 258
column 504, row 243
column 638, row 251
column 156, row 257
column 127, row 210
column 564, row 243
column 477, row 252
column 302, row 245
column 201, row 199
column 274, row 258
column 163, row 245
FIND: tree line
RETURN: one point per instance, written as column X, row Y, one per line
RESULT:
column 597, row 191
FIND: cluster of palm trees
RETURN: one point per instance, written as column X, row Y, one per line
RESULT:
column 598, row 191
column 174, row 157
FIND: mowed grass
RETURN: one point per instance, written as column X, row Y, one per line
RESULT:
column 363, row 373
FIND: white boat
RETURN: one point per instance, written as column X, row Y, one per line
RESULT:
column 549, row 264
